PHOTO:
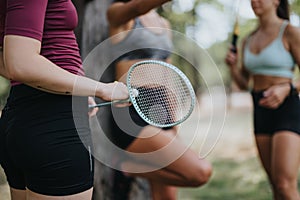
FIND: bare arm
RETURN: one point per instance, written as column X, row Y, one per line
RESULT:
column 23, row 63
column 239, row 74
column 293, row 36
column 120, row 13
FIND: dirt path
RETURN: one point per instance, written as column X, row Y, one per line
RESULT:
column 222, row 132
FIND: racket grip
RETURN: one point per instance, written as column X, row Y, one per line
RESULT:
column 100, row 104
column 234, row 42
column 135, row 94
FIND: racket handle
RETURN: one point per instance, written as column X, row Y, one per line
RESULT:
column 110, row 103
column 100, row 104
column 233, row 42
column 135, row 94
column 235, row 37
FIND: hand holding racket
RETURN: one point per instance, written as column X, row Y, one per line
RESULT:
column 92, row 112
column 160, row 93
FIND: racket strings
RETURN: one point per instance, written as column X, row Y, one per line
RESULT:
column 156, row 109
column 164, row 97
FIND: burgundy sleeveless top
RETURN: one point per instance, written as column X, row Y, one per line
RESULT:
column 52, row 22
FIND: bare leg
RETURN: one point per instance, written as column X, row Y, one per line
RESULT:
column 163, row 192
column 285, row 165
column 17, row 194
column 264, row 146
column 187, row 170
column 86, row 195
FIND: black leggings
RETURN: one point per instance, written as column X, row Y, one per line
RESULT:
column 40, row 147
column 285, row 117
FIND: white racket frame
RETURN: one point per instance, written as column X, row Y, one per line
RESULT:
column 132, row 96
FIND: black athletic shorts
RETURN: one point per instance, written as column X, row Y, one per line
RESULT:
column 285, row 117
column 40, row 147
column 125, row 123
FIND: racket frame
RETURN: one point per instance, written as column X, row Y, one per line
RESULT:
column 132, row 96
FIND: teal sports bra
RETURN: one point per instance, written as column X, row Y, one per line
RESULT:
column 273, row 60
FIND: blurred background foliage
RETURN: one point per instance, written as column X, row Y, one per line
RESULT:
column 197, row 19
column 4, row 89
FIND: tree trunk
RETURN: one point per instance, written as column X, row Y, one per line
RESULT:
column 92, row 30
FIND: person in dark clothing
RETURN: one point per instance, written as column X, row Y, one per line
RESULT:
column 136, row 25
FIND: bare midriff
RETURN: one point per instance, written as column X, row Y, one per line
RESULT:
column 263, row 82
column 122, row 68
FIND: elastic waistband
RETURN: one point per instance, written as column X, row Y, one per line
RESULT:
column 21, row 92
column 25, row 97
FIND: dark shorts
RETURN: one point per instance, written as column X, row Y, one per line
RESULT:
column 125, row 124
column 40, row 147
column 285, row 117
column 121, row 125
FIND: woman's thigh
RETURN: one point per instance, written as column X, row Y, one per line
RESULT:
column 285, row 155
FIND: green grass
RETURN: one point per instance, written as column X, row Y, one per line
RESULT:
column 2, row 177
column 232, row 179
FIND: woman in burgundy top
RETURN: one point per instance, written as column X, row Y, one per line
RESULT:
column 40, row 145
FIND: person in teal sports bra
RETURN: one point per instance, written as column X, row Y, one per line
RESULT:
column 269, row 56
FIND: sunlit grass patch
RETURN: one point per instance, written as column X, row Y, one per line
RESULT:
column 233, row 179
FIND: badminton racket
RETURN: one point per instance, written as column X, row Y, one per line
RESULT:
column 161, row 93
